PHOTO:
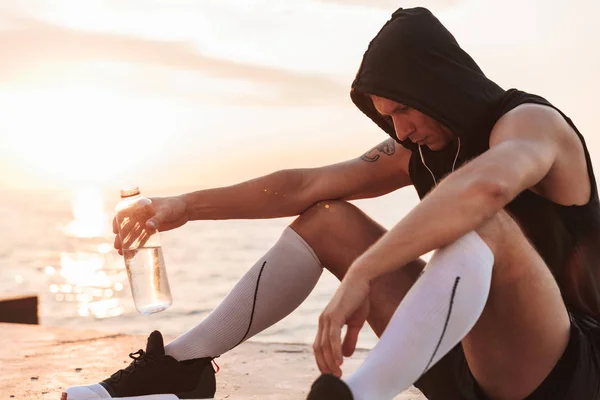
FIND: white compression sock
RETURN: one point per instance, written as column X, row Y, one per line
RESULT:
column 274, row 287
column 435, row 315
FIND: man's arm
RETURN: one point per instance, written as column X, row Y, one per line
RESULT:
column 289, row 192
column 523, row 148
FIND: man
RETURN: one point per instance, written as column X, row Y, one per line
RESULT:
column 507, row 308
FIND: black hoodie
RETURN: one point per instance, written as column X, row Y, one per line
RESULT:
column 415, row 60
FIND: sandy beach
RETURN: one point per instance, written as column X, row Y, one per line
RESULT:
column 39, row 362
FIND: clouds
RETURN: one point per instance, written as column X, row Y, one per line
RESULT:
column 34, row 50
column 263, row 74
column 105, row 81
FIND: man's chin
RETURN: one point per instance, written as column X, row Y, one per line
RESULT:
column 437, row 146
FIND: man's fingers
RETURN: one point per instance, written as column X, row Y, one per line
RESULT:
column 332, row 348
column 157, row 219
column 317, row 349
column 327, row 347
column 144, row 236
column 325, row 350
column 355, row 324
column 336, row 345
column 117, row 243
column 152, row 218
column 134, row 227
column 131, row 240
column 319, row 359
column 350, row 340
column 125, row 228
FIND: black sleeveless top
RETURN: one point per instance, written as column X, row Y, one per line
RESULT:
column 414, row 60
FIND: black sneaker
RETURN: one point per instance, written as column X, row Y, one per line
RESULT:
column 329, row 387
column 153, row 376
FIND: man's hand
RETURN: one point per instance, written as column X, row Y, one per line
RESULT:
column 165, row 213
column 348, row 306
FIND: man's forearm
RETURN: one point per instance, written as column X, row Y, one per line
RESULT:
column 280, row 194
column 446, row 214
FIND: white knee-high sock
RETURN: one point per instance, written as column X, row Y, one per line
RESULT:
column 435, row 315
column 274, row 287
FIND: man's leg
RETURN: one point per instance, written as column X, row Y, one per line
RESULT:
column 271, row 289
column 335, row 233
column 339, row 232
column 518, row 335
column 434, row 316
column 524, row 328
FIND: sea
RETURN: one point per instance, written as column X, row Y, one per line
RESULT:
column 58, row 246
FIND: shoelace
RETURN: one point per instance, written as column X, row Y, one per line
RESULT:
column 140, row 359
column 217, row 368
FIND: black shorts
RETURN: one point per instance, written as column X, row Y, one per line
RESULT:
column 576, row 376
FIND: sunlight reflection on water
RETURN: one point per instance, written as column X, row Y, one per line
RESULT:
column 91, row 277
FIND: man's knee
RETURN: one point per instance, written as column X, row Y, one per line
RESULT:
column 323, row 218
column 338, row 232
column 508, row 242
column 497, row 229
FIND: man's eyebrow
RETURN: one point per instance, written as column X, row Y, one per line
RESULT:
column 400, row 107
column 397, row 108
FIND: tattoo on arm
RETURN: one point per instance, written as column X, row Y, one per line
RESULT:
column 387, row 147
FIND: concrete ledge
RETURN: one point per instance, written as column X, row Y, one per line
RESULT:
column 19, row 309
column 38, row 362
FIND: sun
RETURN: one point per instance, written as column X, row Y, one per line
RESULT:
column 80, row 134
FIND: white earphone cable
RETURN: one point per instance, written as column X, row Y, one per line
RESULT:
column 430, row 172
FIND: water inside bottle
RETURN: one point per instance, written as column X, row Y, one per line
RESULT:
column 148, row 279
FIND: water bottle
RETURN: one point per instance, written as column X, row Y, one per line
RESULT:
column 142, row 253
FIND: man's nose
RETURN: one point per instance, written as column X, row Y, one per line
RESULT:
column 403, row 134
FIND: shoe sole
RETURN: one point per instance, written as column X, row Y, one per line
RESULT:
column 147, row 397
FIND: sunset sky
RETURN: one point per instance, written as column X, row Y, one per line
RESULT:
column 199, row 93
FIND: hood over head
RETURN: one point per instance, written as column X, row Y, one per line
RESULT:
column 415, row 60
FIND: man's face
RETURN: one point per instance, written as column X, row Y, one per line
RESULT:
column 413, row 125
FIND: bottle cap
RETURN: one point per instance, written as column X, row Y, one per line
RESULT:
column 130, row 191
